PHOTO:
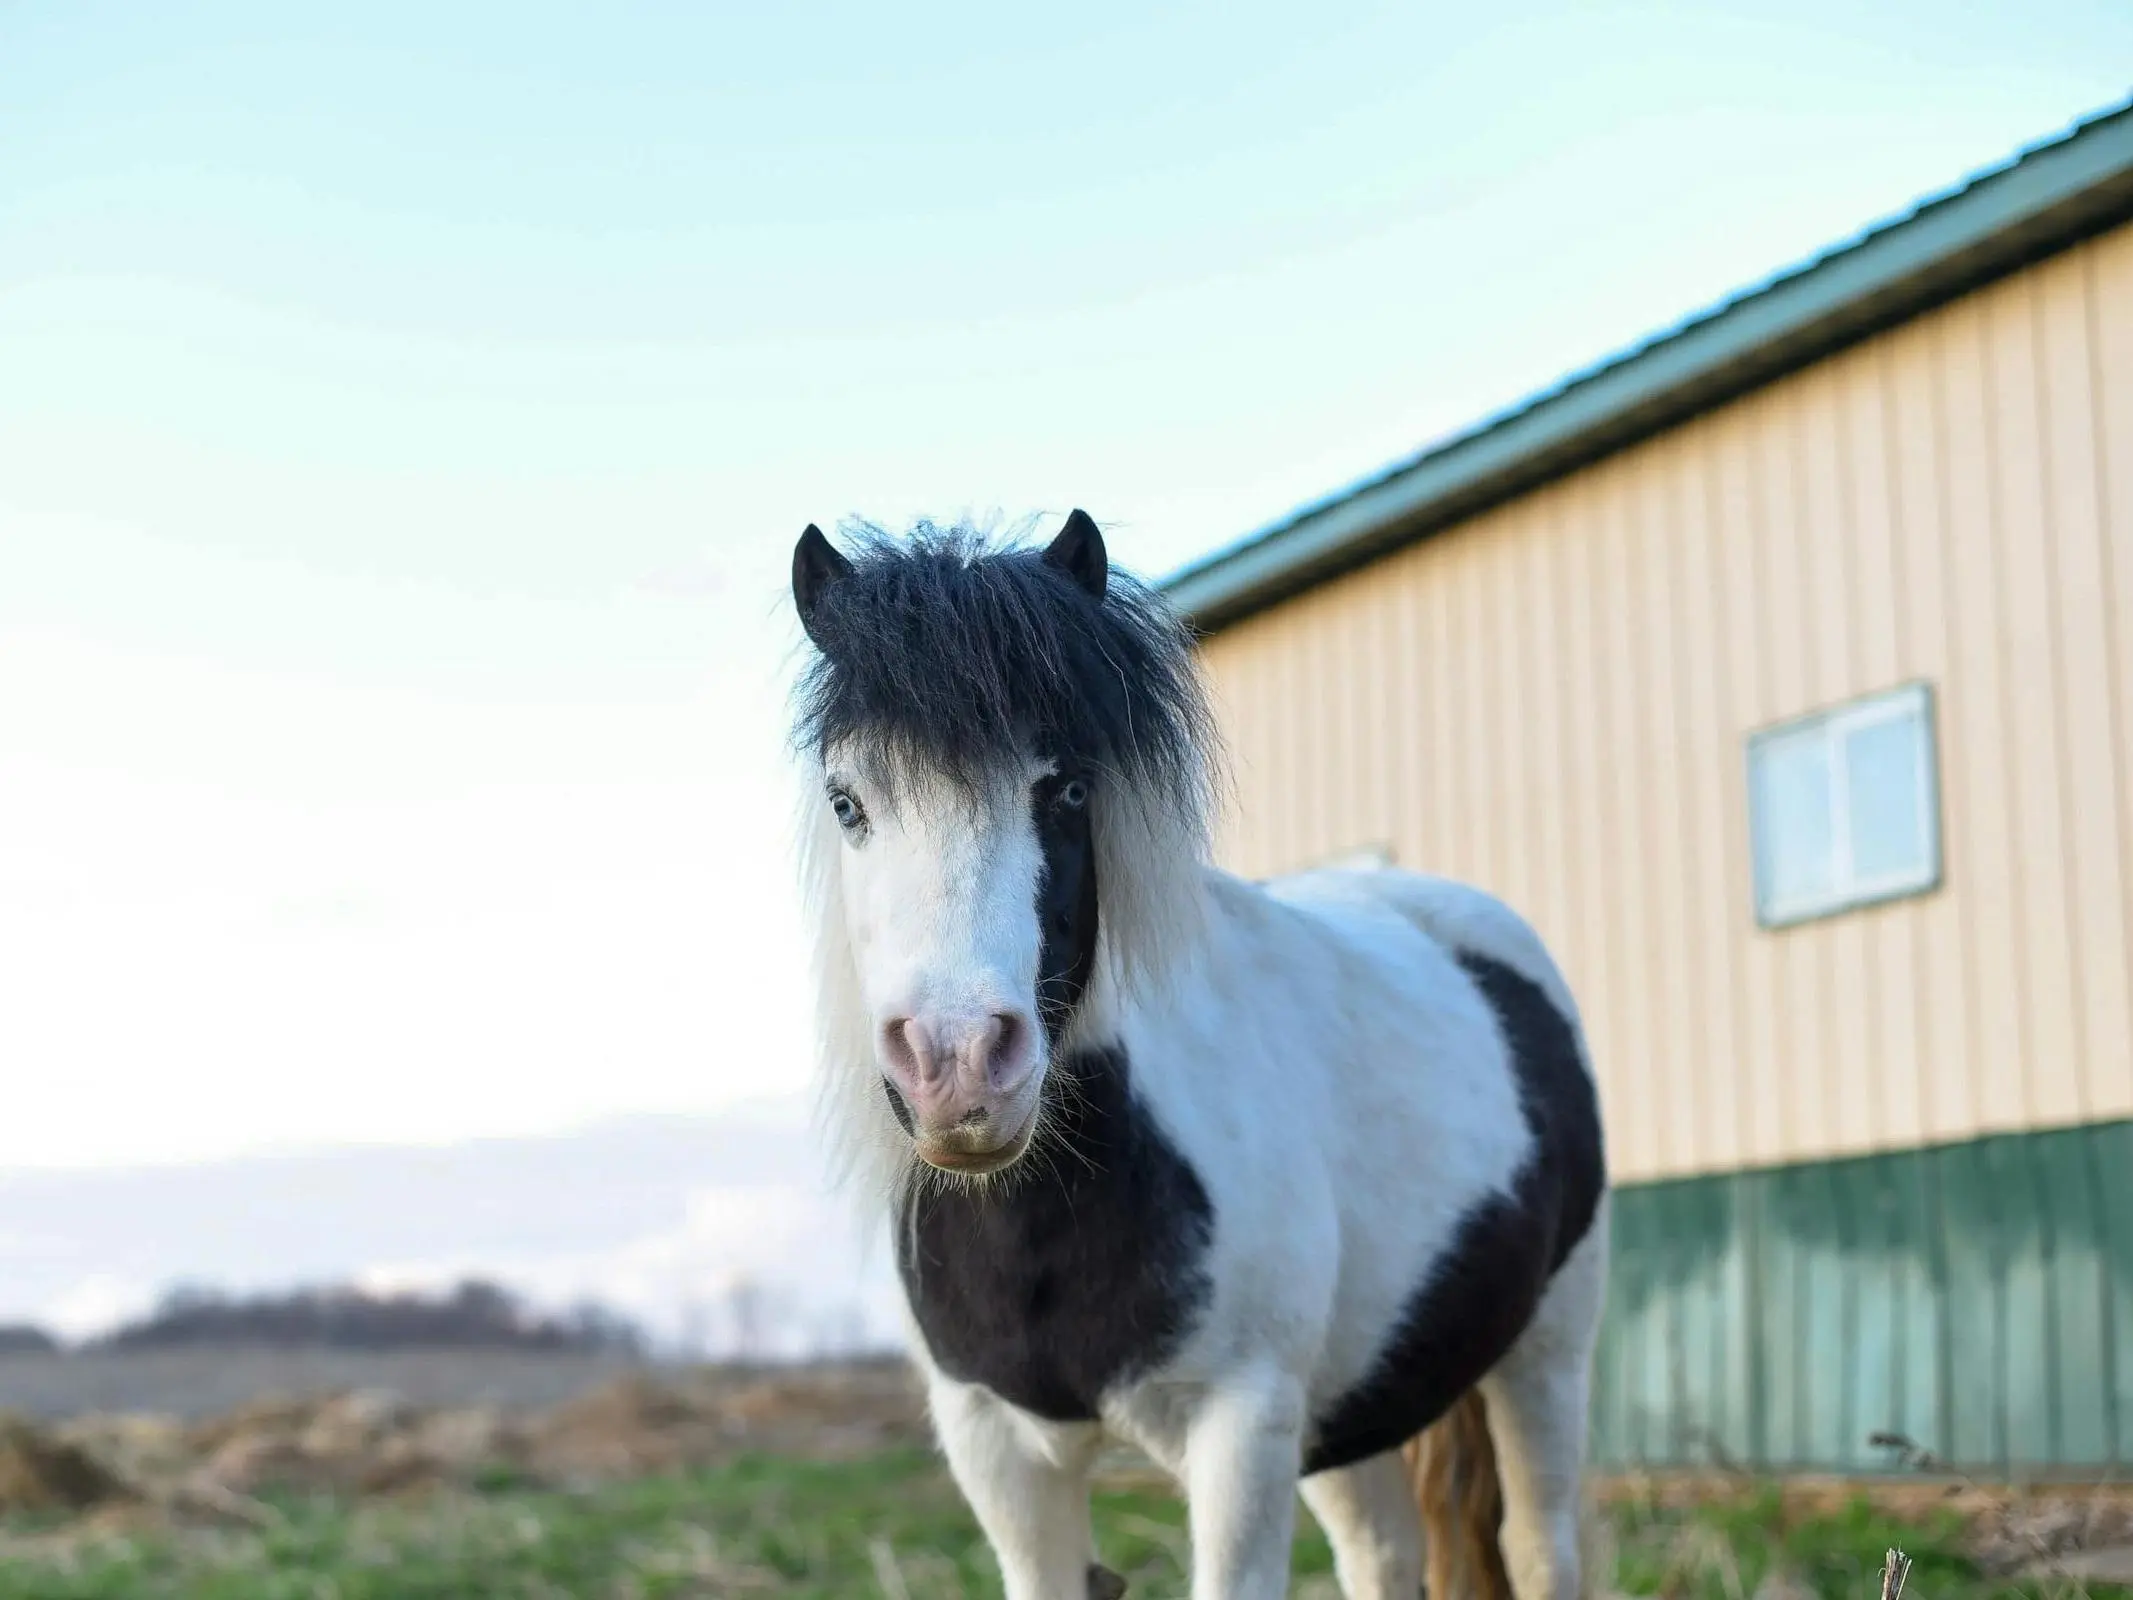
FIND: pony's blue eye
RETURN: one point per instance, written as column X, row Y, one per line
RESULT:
column 847, row 811
column 1074, row 793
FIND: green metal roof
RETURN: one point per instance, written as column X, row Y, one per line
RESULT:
column 2037, row 202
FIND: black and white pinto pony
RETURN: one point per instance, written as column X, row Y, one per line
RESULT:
column 1264, row 1179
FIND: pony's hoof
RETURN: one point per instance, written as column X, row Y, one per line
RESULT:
column 1104, row 1584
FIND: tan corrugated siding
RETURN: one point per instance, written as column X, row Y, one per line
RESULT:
column 1552, row 701
column 2107, row 279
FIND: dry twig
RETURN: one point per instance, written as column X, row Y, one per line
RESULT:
column 1895, row 1567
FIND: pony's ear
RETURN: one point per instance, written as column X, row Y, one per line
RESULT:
column 1079, row 553
column 816, row 564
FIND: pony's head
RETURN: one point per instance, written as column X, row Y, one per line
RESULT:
column 1009, row 795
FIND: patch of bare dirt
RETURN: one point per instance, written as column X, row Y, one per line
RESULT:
column 41, row 1472
column 2085, row 1536
column 638, row 1424
column 363, row 1442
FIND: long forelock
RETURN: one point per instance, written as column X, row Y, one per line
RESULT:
column 947, row 654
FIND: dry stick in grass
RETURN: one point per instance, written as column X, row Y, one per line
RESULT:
column 1895, row 1567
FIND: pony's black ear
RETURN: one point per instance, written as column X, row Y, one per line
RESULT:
column 1079, row 553
column 816, row 564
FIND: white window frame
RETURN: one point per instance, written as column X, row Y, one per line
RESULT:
column 1849, row 893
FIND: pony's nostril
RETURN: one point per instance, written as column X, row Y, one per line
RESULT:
column 1006, row 1062
column 906, row 1050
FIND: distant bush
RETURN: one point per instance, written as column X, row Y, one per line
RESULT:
column 18, row 1337
column 475, row 1315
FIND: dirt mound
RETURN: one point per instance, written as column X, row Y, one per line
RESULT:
column 40, row 1471
column 2057, row 1536
column 360, row 1442
column 369, row 1441
column 629, row 1427
column 637, row 1424
column 136, row 1446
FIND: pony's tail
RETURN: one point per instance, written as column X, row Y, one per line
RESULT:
column 1452, row 1465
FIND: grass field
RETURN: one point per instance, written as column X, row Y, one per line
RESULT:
column 890, row 1526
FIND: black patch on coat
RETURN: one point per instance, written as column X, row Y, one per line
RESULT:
column 1484, row 1289
column 1067, row 913
column 1079, row 1269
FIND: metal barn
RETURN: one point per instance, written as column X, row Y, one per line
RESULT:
column 1782, row 671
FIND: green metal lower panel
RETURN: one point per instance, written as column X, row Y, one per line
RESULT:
column 1976, row 1298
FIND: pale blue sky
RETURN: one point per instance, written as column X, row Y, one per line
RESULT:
column 405, row 419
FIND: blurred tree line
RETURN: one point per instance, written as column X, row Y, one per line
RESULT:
column 473, row 1315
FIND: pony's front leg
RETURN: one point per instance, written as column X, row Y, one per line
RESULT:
column 1028, row 1482
column 1243, row 1450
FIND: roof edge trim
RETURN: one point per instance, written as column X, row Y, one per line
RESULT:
column 2036, row 204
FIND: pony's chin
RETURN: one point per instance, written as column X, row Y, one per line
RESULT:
column 977, row 1163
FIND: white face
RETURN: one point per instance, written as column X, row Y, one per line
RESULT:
column 941, row 901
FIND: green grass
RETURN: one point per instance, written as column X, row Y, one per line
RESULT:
column 853, row 1531
column 1725, row 1552
column 764, row 1526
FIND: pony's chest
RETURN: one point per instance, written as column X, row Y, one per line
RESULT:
column 1079, row 1270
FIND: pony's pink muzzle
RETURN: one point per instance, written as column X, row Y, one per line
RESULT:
column 969, row 1081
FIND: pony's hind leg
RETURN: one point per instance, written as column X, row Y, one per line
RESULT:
column 1028, row 1483
column 1369, row 1517
column 1537, row 1399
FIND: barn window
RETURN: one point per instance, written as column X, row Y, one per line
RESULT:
column 1844, row 807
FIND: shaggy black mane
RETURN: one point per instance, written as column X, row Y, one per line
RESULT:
column 946, row 653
